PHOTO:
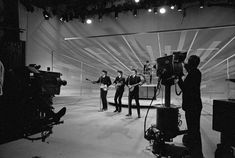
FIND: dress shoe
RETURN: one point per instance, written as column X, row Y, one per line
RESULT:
column 128, row 115
column 115, row 111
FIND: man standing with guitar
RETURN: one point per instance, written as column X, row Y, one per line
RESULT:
column 133, row 82
column 119, row 84
column 104, row 82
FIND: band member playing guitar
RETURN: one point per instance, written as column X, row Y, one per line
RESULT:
column 133, row 82
column 119, row 84
column 104, row 82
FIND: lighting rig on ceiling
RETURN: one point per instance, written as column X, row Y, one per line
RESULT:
column 90, row 9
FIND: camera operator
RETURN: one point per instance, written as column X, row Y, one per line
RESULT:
column 192, row 105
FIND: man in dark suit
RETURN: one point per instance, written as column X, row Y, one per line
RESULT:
column 104, row 82
column 192, row 105
column 133, row 82
column 120, row 85
column 148, row 70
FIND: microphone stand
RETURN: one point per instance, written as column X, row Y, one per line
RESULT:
column 100, row 94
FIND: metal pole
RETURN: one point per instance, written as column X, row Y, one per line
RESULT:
column 167, row 95
column 81, row 77
column 228, row 69
column 52, row 56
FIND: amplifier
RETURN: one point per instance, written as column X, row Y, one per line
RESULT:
column 224, row 116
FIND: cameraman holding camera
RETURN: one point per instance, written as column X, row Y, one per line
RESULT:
column 192, row 105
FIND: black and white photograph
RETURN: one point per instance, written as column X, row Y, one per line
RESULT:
column 117, row 78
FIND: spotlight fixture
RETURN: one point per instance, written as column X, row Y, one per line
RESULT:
column 135, row 12
column 46, row 15
column 179, row 6
column 162, row 10
column 82, row 16
column 150, row 10
column 116, row 14
column 180, row 9
column 100, row 16
column 63, row 18
column 201, row 4
column 172, row 7
column 155, row 10
column 137, row 1
column 88, row 21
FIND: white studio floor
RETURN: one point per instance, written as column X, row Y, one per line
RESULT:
column 87, row 133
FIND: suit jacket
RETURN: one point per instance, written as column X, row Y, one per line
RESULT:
column 121, row 81
column 191, row 95
column 104, row 80
column 131, row 80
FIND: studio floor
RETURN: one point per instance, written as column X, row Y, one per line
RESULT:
column 87, row 133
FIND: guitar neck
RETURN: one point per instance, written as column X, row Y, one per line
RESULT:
column 134, row 85
column 89, row 80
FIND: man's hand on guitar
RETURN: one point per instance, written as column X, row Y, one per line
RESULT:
column 132, row 87
column 104, row 87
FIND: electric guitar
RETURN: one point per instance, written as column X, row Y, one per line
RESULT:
column 102, row 86
column 118, row 85
column 131, row 87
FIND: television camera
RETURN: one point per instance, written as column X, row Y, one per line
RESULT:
column 168, row 117
column 37, row 91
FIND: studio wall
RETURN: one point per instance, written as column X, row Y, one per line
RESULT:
column 83, row 57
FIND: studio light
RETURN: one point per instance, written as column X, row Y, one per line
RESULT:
column 100, row 17
column 116, row 14
column 135, row 12
column 62, row 19
column 201, row 4
column 180, row 9
column 162, row 10
column 179, row 6
column 137, row 1
column 88, row 21
column 82, row 18
column 155, row 10
column 46, row 15
column 150, row 10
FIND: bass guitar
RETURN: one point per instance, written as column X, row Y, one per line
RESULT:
column 131, row 87
column 102, row 86
column 118, row 85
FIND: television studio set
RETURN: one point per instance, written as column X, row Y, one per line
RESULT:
column 117, row 78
